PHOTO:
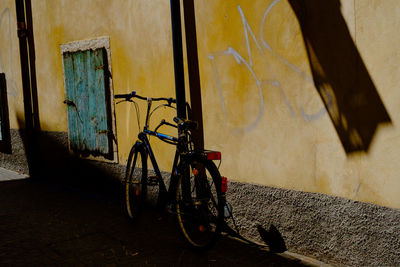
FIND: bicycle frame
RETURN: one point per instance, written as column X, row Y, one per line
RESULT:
column 163, row 189
column 164, row 192
column 196, row 192
column 181, row 142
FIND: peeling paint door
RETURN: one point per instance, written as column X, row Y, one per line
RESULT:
column 88, row 104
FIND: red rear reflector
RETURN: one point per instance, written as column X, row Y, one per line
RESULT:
column 224, row 184
column 213, row 155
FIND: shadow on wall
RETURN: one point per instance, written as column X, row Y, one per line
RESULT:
column 53, row 163
column 339, row 73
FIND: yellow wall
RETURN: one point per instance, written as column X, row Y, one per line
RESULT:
column 264, row 113
column 9, row 59
column 261, row 107
column 136, row 65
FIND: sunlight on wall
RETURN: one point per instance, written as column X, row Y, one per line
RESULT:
column 260, row 102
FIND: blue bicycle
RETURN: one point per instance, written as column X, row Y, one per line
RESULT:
column 196, row 192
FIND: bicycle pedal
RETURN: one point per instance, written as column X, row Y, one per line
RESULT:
column 152, row 180
column 227, row 210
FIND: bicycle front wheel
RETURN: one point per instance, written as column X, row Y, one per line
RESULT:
column 199, row 202
column 135, row 180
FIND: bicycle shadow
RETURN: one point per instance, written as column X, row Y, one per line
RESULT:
column 340, row 75
column 271, row 237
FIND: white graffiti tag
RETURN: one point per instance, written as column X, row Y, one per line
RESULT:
column 263, row 47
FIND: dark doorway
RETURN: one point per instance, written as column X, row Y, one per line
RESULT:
column 5, row 139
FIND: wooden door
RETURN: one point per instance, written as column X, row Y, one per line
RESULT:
column 88, row 102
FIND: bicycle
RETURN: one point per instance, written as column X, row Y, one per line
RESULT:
column 196, row 193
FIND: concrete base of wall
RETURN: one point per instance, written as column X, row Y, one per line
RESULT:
column 15, row 161
column 331, row 229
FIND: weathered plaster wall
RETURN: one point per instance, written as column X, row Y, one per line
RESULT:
column 261, row 107
column 376, row 28
column 17, row 160
column 263, row 111
column 9, row 59
column 141, row 57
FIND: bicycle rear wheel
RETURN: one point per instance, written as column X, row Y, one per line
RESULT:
column 135, row 181
column 199, row 202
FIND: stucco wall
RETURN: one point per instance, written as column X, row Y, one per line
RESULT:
column 135, row 65
column 264, row 112
column 261, row 106
column 274, row 103
column 9, row 59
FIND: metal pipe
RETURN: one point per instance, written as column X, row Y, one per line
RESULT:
column 32, row 65
column 26, row 49
column 178, row 59
column 193, row 71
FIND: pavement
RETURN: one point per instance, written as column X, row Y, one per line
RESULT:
column 6, row 175
column 47, row 223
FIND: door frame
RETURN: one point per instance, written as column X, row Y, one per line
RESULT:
column 96, row 43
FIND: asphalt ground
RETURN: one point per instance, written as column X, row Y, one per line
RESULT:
column 45, row 223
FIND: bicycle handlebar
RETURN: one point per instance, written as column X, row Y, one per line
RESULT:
column 134, row 95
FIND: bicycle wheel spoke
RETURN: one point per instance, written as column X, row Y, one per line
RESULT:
column 135, row 182
column 199, row 211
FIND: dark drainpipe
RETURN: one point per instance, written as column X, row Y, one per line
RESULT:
column 178, row 59
column 193, row 66
column 194, row 74
column 28, row 73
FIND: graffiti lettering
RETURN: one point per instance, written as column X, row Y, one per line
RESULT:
column 263, row 47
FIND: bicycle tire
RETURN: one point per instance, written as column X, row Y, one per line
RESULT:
column 135, row 182
column 199, row 202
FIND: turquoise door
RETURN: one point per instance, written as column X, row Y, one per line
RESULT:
column 88, row 102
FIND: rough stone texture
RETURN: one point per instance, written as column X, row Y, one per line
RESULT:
column 17, row 160
column 331, row 229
